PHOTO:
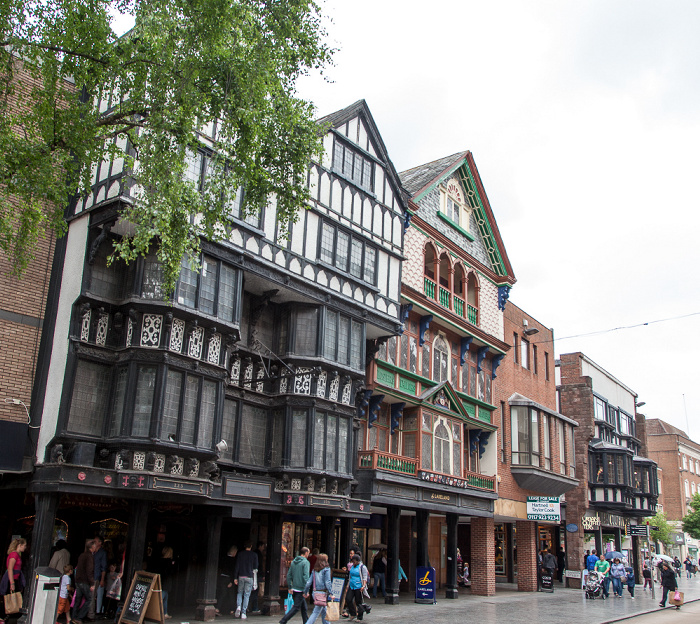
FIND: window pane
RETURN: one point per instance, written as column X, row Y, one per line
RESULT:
column 344, row 340
column 253, row 436
column 356, row 345
column 306, row 331
column 356, row 259
column 89, row 399
column 370, row 264
column 228, row 427
column 343, row 436
column 331, row 444
column 171, row 406
column 341, row 251
column 278, row 438
column 145, row 386
column 152, row 286
column 189, row 413
column 207, row 286
column 297, row 457
column 427, row 452
column 227, row 293
column 330, row 340
column 319, row 437
column 187, row 288
column 206, row 414
column 327, row 243
column 115, row 423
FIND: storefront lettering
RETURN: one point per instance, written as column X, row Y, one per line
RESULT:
column 591, row 523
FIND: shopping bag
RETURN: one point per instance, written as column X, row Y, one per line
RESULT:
column 289, row 602
column 13, row 602
column 677, row 599
column 333, row 611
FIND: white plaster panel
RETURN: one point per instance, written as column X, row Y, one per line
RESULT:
column 377, row 221
column 94, row 174
column 381, row 305
column 334, row 284
column 387, row 229
column 297, row 237
column 100, row 195
column 367, row 214
column 121, row 142
column 357, row 295
column 393, row 310
column 309, row 272
column 370, row 300
column 347, row 289
column 267, row 252
column 117, row 165
column 347, row 203
column 89, row 201
column 253, row 246
column 313, row 182
column 379, row 183
column 270, row 218
column 398, row 230
column 327, row 158
column 336, row 197
column 325, row 196
column 113, row 189
column 352, row 129
column 295, row 266
column 322, row 278
column 311, row 236
column 394, row 281
column 412, row 269
column 70, row 289
column 236, row 238
column 389, row 196
column 280, row 258
column 363, row 140
column 382, row 270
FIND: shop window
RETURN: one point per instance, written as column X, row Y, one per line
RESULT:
column 89, row 398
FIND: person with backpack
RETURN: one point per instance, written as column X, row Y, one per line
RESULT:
column 297, row 577
column 357, row 583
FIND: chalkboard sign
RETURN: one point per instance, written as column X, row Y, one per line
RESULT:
column 546, row 584
column 144, row 602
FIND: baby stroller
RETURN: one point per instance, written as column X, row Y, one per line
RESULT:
column 594, row 585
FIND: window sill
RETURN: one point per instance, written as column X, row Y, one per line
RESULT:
column 456, row 226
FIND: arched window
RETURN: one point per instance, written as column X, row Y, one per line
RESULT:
column 473, row 299
column 687, row 489
column 445, row 296
column 441, row 359
column 429, row 268
column 458, row 289
column 442, row 448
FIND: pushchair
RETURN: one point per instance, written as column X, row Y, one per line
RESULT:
column 594, row 585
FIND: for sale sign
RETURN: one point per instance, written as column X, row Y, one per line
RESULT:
column 543, row 508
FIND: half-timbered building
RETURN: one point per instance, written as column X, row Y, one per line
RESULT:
column 227, row 411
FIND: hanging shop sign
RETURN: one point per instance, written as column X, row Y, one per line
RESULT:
column 543, row 508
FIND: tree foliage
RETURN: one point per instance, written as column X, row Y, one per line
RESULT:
column 664, row 530
column 691, row 521
column 185, row 65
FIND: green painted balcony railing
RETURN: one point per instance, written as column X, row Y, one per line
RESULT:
column 483, row 482
column 459, row 306
column 472, row 314
column 444, row 297
column 429, row 287
column 385, row 461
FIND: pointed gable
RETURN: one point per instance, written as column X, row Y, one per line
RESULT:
column 443, row 397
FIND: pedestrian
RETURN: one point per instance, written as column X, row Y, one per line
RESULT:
column 61, row 556
column 320, row 581
column 227, row 590
column 297, row 576
column 355, row 550
column 13, row 565
column 379, row 572
column 165, row 567
column 629, row 574
column 677, row 565
column 688, row 567
column 113, row 589
column 357, row 584
column 312, row 558
column 64, row 593
column 259, row 583
column 561, row 565
column 84, row 582
column 603, row 567
column 245, row 569
column 549, row 562
column 617, row 574
column 99, row 558
column 646, row 573
column 668, row 582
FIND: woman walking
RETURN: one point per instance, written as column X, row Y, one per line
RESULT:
column 319, row 582
column 668, row 582
column 617, row 573
column 357, row 583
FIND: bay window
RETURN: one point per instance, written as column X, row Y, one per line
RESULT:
column 525, row 440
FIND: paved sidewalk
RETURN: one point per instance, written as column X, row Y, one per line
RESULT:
column 563, row 606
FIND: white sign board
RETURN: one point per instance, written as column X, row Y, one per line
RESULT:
column 572, row 573
column 543, row 508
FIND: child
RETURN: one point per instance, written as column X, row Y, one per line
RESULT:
column 64, row 594
column 113, row 589
column 629, row 573
column 646, row 573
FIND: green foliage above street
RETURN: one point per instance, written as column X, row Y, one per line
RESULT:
column 691, row 521
column 664, row 529
column 185, row 65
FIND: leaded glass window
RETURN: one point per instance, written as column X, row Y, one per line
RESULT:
column 89, row 398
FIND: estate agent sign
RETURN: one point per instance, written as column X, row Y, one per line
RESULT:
column 543, row 508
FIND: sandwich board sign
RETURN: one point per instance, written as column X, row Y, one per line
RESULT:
column 144, row 602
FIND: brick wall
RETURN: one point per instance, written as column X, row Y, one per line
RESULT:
column 527, row 555
column 482, row 571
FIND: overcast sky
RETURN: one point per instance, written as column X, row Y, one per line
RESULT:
column 584, row 121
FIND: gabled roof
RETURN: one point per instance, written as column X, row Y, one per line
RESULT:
column 656, row 426
column 360, row 108
column 456, row 406
column 420, row 180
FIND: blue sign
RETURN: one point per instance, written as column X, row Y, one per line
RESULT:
column 572, row 528
column 425, row 585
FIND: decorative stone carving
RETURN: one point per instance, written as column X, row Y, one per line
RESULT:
column 85, row 325
column 235, row 370
column 248, row 373
column 302, row 381
column 283, row 385
column 321, row 384
column 334, row 387
column 139, row 462
column 159, row 463
column 321, row 485
column 347, row 392
column 129, row 332
column 296, row 484
column 193, row 467
column 175, row 465
column 196, row 342
column 177, row 335
column 102, row 324
column 214, row 350
column 259, row 386
column 308, row 484
column 150, row 330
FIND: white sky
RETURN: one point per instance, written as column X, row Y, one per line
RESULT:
column 584, row 121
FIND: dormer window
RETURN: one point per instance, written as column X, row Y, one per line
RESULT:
column 454, row 207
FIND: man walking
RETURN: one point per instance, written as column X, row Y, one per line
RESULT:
column 603, row 567
column 99, row 559
column 84, row 582
column 297, row 576
column 244, row 569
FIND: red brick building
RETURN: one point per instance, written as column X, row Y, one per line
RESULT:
column 535, row 450
column 618, row 483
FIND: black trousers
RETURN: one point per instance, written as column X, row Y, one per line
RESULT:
column 299, row 605
column 353, row 602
